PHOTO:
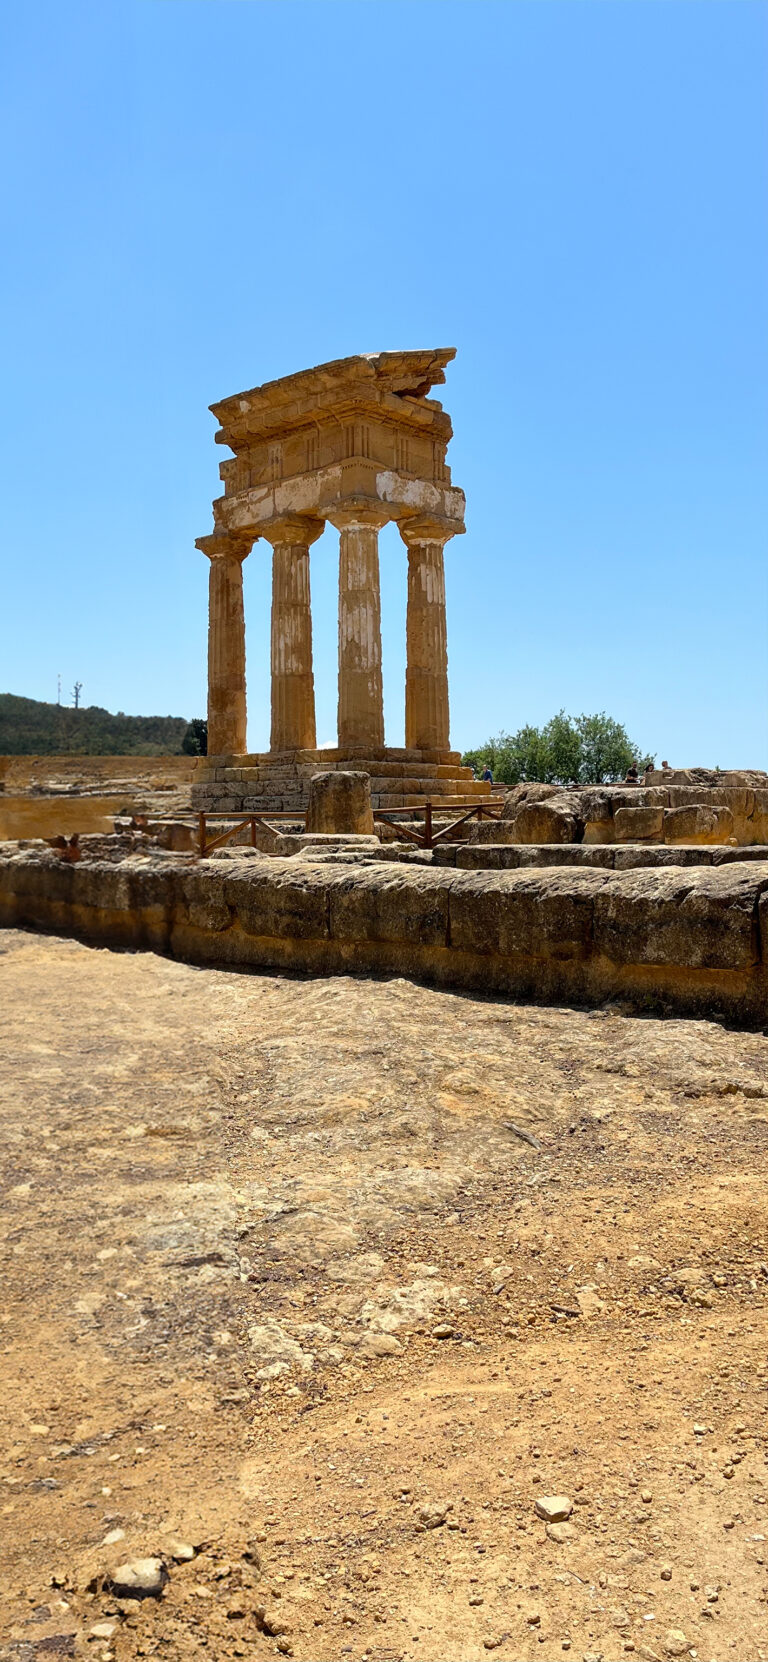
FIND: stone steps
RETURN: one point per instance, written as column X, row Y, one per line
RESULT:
column 280, row 784
column 380, row 770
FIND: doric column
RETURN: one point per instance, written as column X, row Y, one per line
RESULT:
column 361, row 706
column 293, row 685
column 226, row 642
column 426, row 673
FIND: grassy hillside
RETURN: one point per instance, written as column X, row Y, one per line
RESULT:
column 28, row 727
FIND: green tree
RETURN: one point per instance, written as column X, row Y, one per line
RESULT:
column 605, row 751
column 562, row 750
column 581, row 750
column 195, row 740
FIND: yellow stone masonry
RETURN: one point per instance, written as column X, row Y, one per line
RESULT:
column 355, row 443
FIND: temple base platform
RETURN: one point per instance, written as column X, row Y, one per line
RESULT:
column 279, row 783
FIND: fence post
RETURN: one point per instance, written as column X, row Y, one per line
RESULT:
column 253, row 833
column 201, row 835
column 428, row 825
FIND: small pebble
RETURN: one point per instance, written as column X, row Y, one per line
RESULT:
column 553, row 1508
column 141, row 1578
column 675, row 1642
column 180, row 1551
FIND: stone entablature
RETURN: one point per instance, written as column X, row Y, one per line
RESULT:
column 355, row 443
column 360, row 425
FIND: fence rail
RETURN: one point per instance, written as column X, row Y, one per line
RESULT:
column 426, row 836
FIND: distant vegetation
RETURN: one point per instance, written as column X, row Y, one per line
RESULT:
column 29, row 727
column 569, row 750
column 195, row 740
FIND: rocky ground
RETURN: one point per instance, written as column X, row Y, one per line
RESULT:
column 313, row 1289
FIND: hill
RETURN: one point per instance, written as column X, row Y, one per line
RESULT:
column 30, row 727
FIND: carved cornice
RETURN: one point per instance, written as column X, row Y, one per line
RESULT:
column 397, row 381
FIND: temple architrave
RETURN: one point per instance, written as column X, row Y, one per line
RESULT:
column 355, row 443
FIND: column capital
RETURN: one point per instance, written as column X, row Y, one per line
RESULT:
column 226, row 545
column 300, row 529
column 417, row 531
column 367, row 515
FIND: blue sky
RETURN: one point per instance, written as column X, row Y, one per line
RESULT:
column 199, row 197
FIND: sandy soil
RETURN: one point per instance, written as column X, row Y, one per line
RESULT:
column 283, row 1283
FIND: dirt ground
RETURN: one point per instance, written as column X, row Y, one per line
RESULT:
column 284, row 1286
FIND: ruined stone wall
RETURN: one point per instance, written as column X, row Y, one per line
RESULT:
column 634, row 814
column 693, row 941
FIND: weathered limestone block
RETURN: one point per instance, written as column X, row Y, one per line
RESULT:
column 173, row 834
column 324, row 842
column 758, row 817
column 631, row 825
column 658, row 854
column 701, row 918
column 492, row 831
column 519, row 794
column 340, row 802
column 728, row 855
column 510, row 857
column 386, row 910
column 551, row 821
column 708, row 776
column 597, row 808
column 544, row 915
column 697, row 824
column 738, row 800
column 200, row 897
column 279, row 901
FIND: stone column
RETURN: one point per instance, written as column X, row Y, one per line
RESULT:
column 361, row 707
column 293, row 685
column 426, row 673
column 226, row 642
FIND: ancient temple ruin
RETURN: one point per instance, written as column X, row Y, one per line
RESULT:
column 354, row 443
